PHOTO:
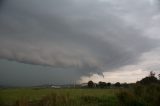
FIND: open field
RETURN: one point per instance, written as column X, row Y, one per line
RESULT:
column 135, row 95
column 59, row 97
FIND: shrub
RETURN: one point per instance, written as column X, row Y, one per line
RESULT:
column 127, row 98
column 141, row 95
column 138, row 90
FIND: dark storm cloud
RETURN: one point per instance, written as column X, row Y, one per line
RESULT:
column 81, row 34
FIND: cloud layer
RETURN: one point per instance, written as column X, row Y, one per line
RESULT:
column 91, row 36
column 68, row 34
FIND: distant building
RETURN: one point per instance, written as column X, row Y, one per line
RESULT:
column 84, row 85
column 53, row 86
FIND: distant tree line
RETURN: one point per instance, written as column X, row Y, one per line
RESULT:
column 144, row 81
column 102, row 84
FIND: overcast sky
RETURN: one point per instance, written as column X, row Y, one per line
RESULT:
column 62, row 41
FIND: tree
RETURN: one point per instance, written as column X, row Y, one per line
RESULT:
column 108, row 84
column 149, row 79
column 90, row 84
column 102, row 84
column 152, row 74
column 117, row 84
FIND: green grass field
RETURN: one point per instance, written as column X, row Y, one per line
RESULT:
column 135, row 95
column 59, row 97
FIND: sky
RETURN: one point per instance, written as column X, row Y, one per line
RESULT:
column 67, row 41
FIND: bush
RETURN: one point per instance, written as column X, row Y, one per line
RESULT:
column 127, row 98
column 141, row 95
column 138, row 90
column 152, row 94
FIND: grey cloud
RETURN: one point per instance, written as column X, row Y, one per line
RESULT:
column 85, row 35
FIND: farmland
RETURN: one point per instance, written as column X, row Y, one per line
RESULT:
column 134, row 95
column 58, row 97
column 145, row 92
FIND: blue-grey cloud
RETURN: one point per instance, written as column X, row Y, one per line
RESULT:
column 88, row 36
column 67, row 34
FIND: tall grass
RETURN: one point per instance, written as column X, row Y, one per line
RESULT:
column 140, row 95
column 60, row 97
column 137, row 95
column 65, row 100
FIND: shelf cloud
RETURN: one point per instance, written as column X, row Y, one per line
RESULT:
column 91, row 36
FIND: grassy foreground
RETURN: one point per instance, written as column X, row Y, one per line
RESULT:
column 58, row 97
column 135, row 95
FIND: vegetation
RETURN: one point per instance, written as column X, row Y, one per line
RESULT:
column 102, row 84
column 145, row 92
column 58, row 97
column 117, row 84
column 91, row 84
column 140, row 95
